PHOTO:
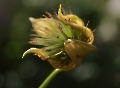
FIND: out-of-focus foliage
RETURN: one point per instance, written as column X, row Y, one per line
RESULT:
column 100, row 69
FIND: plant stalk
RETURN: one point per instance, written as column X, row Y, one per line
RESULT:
column 49, row 78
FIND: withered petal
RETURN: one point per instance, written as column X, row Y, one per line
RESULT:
column 63, row 63
column 39, row 52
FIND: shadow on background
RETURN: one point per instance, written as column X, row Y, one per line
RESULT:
column 100, row 69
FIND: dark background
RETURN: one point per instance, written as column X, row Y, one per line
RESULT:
column 99, row 69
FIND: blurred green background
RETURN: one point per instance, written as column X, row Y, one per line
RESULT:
column 99, row 69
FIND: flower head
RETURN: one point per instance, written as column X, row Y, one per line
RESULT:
column 63, row 37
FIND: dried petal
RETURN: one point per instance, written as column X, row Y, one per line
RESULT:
column 62, row 62
column 39, row 52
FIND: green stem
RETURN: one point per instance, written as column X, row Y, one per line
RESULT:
column 49, row 78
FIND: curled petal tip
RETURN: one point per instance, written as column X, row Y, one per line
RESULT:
column 31, row 50
column 39, row 52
